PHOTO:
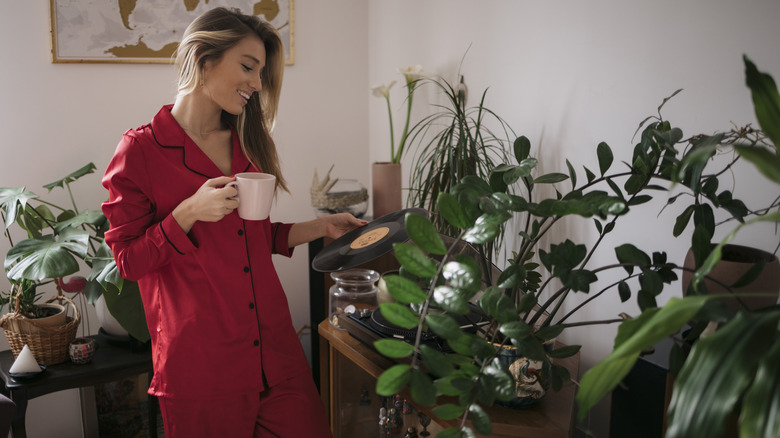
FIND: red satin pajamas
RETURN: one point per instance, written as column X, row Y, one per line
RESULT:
column 217, row 314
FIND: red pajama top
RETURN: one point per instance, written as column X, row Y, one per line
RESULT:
column 217, row 314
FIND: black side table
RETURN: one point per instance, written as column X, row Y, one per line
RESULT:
column 111, row 362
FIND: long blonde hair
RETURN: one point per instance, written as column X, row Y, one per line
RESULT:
column 208, row 37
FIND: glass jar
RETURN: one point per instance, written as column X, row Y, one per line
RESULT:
column 355, row 290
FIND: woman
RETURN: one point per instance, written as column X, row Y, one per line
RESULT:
column 227, row 361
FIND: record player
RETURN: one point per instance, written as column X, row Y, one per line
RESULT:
column 369, row 326
column 372, row 241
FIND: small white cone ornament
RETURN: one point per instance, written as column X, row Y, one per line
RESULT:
column 25, row 363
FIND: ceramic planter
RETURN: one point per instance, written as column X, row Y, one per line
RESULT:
column 735, row 262
column 385, row 188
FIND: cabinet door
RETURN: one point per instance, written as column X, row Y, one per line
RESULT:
column 355, row 406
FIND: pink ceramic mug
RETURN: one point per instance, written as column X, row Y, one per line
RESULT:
column 255, row 194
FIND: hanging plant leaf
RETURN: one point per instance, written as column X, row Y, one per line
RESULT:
column 393, row 380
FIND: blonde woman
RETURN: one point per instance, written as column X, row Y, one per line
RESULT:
column 227, row 361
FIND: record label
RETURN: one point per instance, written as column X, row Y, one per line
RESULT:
column 369, row 238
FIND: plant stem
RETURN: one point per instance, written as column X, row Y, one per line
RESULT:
column 392, row 131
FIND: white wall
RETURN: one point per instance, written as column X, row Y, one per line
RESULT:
column 57, row 117
column 569, row 74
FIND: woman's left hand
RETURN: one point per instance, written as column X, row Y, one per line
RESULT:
column 336, row 225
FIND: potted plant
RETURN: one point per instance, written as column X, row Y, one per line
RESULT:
column 455, row 141
column 524, row 306
column 60, row 241
column 386, row 176
column 735, row 370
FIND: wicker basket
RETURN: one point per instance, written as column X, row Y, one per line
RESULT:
column 49, row 345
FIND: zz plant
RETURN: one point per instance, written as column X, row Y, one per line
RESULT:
column 525, row 305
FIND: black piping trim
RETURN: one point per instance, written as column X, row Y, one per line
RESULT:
column 169, row 240
column 183, row 161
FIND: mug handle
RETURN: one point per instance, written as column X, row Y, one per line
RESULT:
column 234, row 185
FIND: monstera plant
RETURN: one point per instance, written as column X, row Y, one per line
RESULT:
column 524, row 307
column 61, row 241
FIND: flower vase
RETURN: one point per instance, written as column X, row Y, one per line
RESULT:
column 386, row 188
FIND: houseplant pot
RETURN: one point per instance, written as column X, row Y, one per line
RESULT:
column 736, row 262
column 386, row 188
column 49, row 344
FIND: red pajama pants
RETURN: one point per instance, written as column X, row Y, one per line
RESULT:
column 290, row 409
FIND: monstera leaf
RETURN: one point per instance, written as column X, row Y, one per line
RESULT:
column 48, row 256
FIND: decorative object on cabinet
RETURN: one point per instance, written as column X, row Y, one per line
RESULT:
column 338, row 196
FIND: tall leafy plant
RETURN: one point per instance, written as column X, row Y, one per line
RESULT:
column 736, row 369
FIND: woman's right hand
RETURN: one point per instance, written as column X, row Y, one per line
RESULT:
column 213, row 201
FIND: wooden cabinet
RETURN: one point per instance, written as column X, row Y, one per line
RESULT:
column 349, row 368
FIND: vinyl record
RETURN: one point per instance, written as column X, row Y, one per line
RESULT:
column 366, row 243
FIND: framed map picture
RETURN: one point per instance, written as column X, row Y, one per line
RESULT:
column 145, row 31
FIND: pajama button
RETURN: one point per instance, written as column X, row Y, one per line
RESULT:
column 246, row 268
column 240, row 232
column 251, row 305
column 257, row 342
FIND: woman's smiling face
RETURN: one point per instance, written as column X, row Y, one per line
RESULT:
column 232, row 79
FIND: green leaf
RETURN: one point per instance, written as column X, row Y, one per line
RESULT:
column 512, row 277
column 404, row 290
column 393, row 380
column 435, row 361
column 551, row 178
column 550, row 332
column 559, row 376
column 624, row 291
column 10, row 200
column 480, row 419
column 516, row 330
column 45, row 257
column 463, row 274
column 605, row 156
column 127, row 308
column 424, row 234
column 452, row 211
column 767, row 162
column 633, row 337
column 766, row 100
column 448, row 411
column 682, row 220
column 487, row 227
column 452, row 432
column 86, row 170
column 393, row 348
column 717, row 372
column 423, row 391
column 522, row 148
column 564, row 352
column 572, row 174
column 414, row 260
column 399, row 315
column 450, row 300
column 759, row 409
column 631, row 256
column 443, row 325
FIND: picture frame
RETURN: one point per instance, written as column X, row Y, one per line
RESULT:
column 146, row 31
